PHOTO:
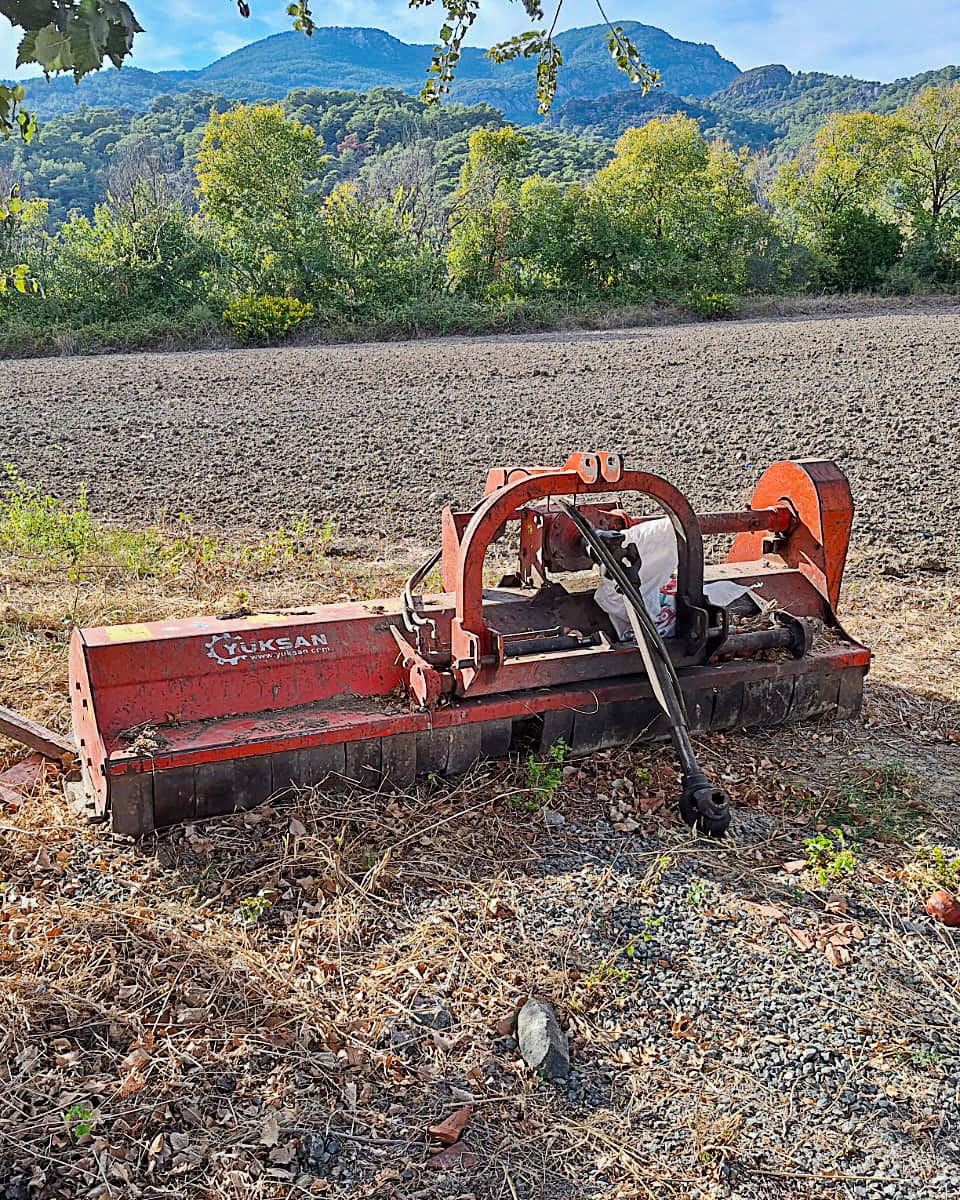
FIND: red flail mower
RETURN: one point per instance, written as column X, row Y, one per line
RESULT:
column 180, row 720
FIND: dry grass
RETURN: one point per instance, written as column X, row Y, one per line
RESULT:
column 188, row 1017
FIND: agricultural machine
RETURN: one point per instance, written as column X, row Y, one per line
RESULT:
column 185, row 719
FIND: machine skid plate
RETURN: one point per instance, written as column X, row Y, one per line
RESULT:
column 194, row 782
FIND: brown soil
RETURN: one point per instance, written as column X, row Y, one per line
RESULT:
column 378, row 436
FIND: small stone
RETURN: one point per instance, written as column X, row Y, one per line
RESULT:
column 944, row 908
column 433, row 1018
column 543, row 1043
column 553, row 820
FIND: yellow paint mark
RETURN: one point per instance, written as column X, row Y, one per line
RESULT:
column 270, row 619
column 129, row 633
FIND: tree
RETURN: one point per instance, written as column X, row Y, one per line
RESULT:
column 851, row 165
column 860, row 248
column 928, row 165
column 683, row 206
column 79, row 36
column 255, row 168
column 567, row 240
column 483, row 223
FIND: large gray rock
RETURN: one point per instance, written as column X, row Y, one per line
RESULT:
column 542, row 1042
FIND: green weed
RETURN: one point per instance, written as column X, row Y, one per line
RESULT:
column 831, row 857
column 921, row 1057
column 882, row 802
column 697, row 893
column 711, row 305
column 611, row 969
column 251, row 909
column 35, row 524
column 80, row 1120
column 544, row 778
column 934, row 867
column 266, row 318
column 46, row 530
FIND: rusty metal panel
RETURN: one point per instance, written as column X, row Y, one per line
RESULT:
column 398, row 759
column 588, row 729
column 317, row 763
column 285, row 770
column 850, row 697
column 727, row 705
column 557, row 725
column 815, row 695
column 433, row 749
column 252, row 782
column 766, row 702
column 633, row 720
column 175, row 794
column 131, row 804
column 496, row 738
column 466, row 742
column 362, row 763
column 699, row 709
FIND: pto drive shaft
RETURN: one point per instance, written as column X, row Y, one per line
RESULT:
column 701, row 804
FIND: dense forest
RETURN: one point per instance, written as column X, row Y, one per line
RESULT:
column 74, row 158
column 374, row 211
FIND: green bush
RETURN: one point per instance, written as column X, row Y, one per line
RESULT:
column 266, row 318
column 927, row 265
column 711, row 305
column 860, row 248
column 127, row 262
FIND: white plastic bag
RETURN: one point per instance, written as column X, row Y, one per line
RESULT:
column 657, row 544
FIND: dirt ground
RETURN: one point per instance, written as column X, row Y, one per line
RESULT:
column 376, row 437
column 278, row 1004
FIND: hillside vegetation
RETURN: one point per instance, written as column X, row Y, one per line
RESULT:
column 377, row 214
column 765, row 107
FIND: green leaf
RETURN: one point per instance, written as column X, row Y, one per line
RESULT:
column 52, row 49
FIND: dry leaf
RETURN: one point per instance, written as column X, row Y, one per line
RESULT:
column 769, row 910
column 802, row 940
column 191, row 1016
column 795, row 866
column 449, row 1131
column 297, row 828
column 838, row 956
column 458, row 1157
column 283, row 1154
column 270, row 1132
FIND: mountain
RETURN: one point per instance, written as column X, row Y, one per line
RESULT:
column 767, row 108
column 608, row 117
column 361, row 59
column 794, row 106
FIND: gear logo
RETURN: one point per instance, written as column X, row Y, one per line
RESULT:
column 225, row 648
column 229, row 649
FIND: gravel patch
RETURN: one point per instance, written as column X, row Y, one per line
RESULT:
column 379, row 436
column 721, row 1045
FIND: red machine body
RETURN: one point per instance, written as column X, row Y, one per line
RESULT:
column 177, row 720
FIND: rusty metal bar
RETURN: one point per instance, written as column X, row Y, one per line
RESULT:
column 745, row 645
column 749, row 520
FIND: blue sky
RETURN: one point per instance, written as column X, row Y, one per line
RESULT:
column 873, row 39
